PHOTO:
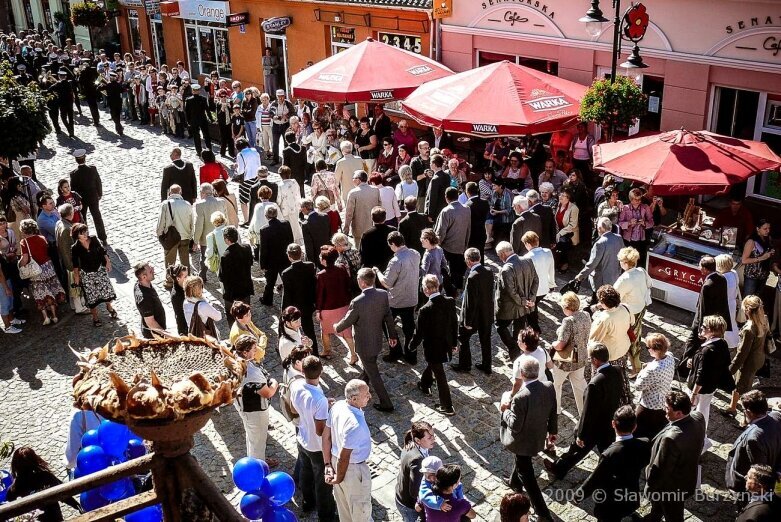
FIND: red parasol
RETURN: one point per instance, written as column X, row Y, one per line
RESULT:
column 366, row 73
column 683, row 162
column 501, row 99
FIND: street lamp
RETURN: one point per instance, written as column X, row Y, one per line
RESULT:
column 633, row 25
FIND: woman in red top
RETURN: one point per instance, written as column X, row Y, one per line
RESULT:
column 332, row 300
column 211, row 170
column 46, row 288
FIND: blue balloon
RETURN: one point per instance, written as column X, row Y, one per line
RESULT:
column 92, row 459
column 254, row 505
column 148, row 514
column 92, row 500
column 135, row 448
column 279, row 514
column 5, row 482
column 266, row 468
column 117, row 490
column 248, row 474
column 90, row 439
column 113, row 437
column 279, row 487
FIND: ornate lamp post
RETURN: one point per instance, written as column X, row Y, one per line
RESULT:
column 632, row 27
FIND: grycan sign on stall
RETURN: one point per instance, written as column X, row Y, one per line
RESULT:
column 675, row 274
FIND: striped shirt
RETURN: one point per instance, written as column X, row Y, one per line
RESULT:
column 264, row 114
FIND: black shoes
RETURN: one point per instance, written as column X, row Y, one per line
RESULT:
column 483, row 368
column 390, row 359
column 444, row 411
column 460, row 369
column 426, row 391
column 380, row 407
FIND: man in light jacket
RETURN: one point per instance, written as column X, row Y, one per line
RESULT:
column 515, row 294
column 453, row 227
column 602, row 267
column 345, row 168
column 360, row 202
column 176, row 212
column 204, row 208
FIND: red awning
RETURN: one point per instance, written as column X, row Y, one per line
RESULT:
column 683, row 162
column 501, row 99
column 366, row 73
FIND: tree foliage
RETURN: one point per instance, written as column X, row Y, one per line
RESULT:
column 88, row 14
column 612, row 105
column 23, row 120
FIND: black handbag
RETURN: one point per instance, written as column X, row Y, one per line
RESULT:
column 171, row 237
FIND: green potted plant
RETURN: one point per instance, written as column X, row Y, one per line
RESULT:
column 23, row 120
column 613, row 104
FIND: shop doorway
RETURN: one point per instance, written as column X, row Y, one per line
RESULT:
column 653, row 87
column 278, row 45
column 735, row 112
column 158, row 42
column 133, row 30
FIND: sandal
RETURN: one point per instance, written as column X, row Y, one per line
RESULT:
column 272, row 462
column 354, row 362
column 113, row 313
column 326, row 356
column 97, row 323
column 729, row 413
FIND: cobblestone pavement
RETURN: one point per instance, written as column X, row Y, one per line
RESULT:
column 37, row 366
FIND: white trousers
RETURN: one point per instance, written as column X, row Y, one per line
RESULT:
column 255, row 431
column 264, row 138
column 578, row 382
column 354, row 494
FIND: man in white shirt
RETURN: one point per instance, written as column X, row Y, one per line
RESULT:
column 312, row 405
column 544, row 266
column 247, row 165
column 347, row 446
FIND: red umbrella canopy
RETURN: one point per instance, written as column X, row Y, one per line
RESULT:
column 682, row 162
column 501, row 99
column 366, row 73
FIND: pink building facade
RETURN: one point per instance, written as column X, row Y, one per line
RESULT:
column 713, row 64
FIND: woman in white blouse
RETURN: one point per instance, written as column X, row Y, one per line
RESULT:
column 387, row 200
column 609, row 327
column 724, row 266
column 193, row 293
column 654, row 382
column 214, row 239
column 568, row 235
column 634, row 287
column 289, row 202
column 290, row 334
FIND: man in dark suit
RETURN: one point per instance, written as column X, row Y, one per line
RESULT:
column 299, row 282
column 294, row 156
column 547, row 219
column 713, row 301
column 529, row 420
column 479, row 209
column 437, row 328
column 368, row 313
column 527, row 221
column 181, row 173
column 675, row 456
column 477, row 313
column 86, row 181
column 760, row 442
column 316, row 229
column 439, row 139
column 375, row 251
column 413, row 224
column 435, row 195
column 764, row 505
column 263, row 181
column 274, row 239
column 235, row 271
column 198, row 118
column 618, row 472
column 601, row 400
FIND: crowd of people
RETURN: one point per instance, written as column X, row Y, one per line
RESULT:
column 379, row 236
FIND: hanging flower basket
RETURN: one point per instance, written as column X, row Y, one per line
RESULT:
column 88, row 14
column 613, row 105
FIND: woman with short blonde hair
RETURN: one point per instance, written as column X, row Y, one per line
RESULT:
column 750, row 355
column 628, row 255
column 653, row 383
column 725, row 266
column 634, row 287
column 194, row 301
column 571, row 346
column 215, row 241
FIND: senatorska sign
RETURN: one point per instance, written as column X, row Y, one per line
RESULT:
column 670, row 272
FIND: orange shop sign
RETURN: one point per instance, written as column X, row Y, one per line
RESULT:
column 442, row 9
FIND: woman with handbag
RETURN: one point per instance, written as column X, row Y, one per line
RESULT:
column 332, row 299
column 709, row 369
column 568, row 231
column 324, row 184
column 750, row 355
column 634, row 287
column 570, row 350
column 36, row 265
column 610, row 327
column 221, row 191
column 654, row 382
column 252, row 403
column 91, row 266
column 215, row 243
column 200, row 315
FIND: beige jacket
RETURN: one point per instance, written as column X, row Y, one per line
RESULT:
column 203, row 217
column 182, row 217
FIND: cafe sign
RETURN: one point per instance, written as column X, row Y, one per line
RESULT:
column 277, row 24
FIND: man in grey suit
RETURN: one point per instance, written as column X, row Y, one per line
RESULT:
column 515, row 295
column 602, row 267
column 345, row 169
column 360, row 202
column 204, row 208
column 672, row 474
column 528, row 419
column 453, row 227
column 367, row 314
column 760, row 442
column 401, row 280
column 527, row 221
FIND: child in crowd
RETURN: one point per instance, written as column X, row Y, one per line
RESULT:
column 441, row 493
column 428, row 499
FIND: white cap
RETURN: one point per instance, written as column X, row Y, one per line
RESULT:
column 280, row 92
column 195, row 87
column 430, row 465
column 79, row 153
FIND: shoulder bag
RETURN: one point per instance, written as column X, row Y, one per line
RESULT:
column 213, row 261
column 199, row 328
column 631, row 330
column 32, row 269
column 171, row 237
column 325, row 191
column 285, row 400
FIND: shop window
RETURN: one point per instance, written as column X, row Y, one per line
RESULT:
column 134, row 32
column 208, row 49
column 158, row 41
column 342, row 38
column 546, row 66
column 735, row 112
